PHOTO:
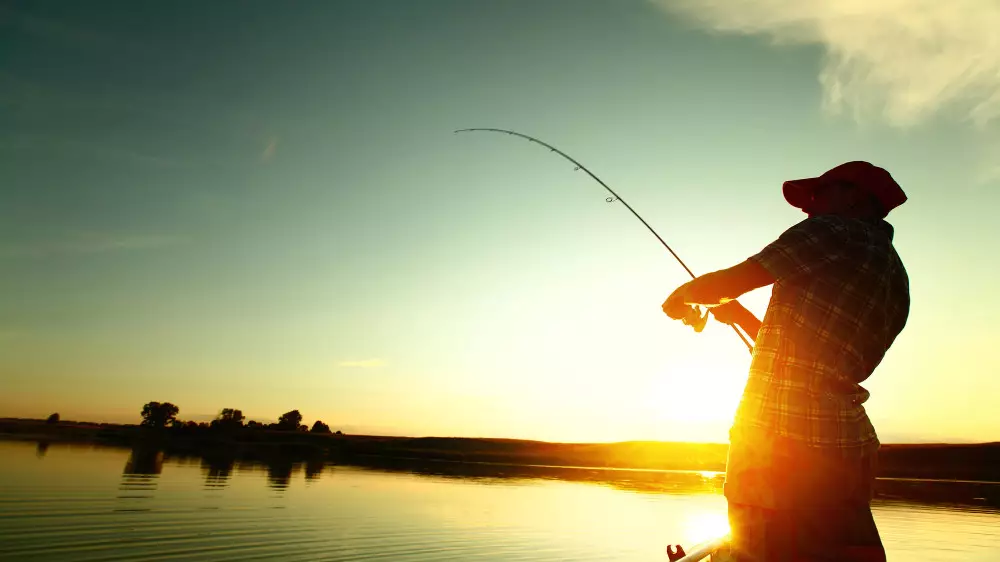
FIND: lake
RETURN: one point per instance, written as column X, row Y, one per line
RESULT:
column 83, row 502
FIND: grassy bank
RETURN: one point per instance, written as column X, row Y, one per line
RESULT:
column 935, row 461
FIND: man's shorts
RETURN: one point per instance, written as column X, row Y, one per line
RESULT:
column 788, row 502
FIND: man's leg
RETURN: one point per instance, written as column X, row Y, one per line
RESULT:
column 759, row 535
column 863, row 543
column 846, row 529
column 847, row 534
column 800, row 504
column 853, row 532
column 768, row 535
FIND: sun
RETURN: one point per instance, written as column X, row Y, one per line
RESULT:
column 705, row 526
column 694, row 392
column 696, row 407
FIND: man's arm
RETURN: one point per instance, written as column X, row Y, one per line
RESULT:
column 805, row 249
column 735, row 313
column 720, row 287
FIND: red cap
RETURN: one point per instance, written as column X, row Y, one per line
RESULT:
column 864, row 175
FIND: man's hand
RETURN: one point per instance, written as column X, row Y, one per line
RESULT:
column 718, row 288
column 734, row 313
column 676, row 305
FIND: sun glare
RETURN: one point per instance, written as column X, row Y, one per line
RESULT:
column 702, row 405
column 694, row 394
column 701, row 527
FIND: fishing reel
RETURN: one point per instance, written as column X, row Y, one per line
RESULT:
column 690, row 315
column 694, row 318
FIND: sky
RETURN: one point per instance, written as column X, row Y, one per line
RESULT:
column 263, row 206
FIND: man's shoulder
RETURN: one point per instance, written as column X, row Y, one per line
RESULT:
column 840, row 223
column 820, row 226
column 867, row 232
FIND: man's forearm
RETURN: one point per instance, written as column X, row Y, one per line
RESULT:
column 710, row 289
column 750, row 324
column 724, row 285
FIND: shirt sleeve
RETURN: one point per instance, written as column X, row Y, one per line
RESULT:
column 804, row 248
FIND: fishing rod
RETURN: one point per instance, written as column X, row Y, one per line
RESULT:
column 699, row 552
column 695, row 320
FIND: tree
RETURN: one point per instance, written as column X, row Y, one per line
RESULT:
column 229, row 418
column 232, row 415
column 54, row 418
column 289, row 421
column 320, row 427
column 155, row 414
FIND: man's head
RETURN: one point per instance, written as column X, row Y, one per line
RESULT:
column 855, row 189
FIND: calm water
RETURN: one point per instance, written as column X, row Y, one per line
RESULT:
column 89, row 503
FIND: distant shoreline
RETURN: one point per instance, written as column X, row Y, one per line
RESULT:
column 953, row 462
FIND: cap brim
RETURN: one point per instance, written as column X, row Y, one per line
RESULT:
column 799, row 193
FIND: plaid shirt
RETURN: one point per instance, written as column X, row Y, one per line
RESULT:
column 840, row 298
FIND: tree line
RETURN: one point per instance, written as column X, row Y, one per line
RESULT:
column 164, row 414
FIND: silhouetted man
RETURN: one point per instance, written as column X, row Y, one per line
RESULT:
column 802, row 452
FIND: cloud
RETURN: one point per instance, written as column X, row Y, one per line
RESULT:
column 87, row 243
column 364, row 364
column 897, row 60
column 269, row 151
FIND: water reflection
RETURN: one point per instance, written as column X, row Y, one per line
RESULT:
column 66, row 507
column 939, row 492
column 279, row 472
column 217, row 470
column 144, row 461
column 145, row 464
column 314, row 469
column 642, row 481
column 139, row 479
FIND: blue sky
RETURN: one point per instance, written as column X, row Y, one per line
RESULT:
column 263, row 206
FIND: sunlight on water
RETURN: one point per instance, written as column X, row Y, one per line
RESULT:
column 87, row 503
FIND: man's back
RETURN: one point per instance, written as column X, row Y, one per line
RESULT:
column 802, row 456
column 840, row 298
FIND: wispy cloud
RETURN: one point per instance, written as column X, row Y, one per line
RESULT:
column 270, row 150
column 364, row 364
column 86, row 243
column 896, row 60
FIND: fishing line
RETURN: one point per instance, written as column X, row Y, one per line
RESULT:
column 614, row 197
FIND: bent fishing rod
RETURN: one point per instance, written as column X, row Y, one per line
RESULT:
column 697, row 323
